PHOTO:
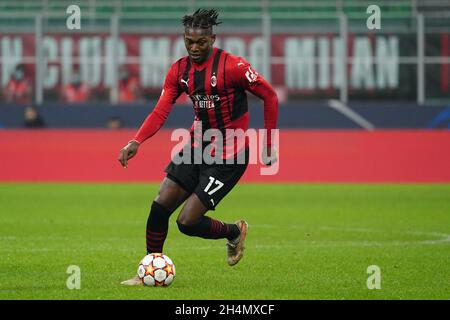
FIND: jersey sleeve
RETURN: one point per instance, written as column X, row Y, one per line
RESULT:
column 156, row 119
column 244, row 76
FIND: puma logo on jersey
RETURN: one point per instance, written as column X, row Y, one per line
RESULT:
column 185, row 81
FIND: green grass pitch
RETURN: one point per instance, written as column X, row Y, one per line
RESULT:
column 310, row 241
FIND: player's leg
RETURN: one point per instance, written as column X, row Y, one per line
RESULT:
column 175, row 189
column 193, row 222
column 170, row 196
column 215, row 183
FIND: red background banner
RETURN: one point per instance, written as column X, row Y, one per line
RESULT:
column 305, row 156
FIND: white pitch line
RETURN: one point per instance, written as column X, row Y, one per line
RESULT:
column 439, row 239
column 444, row 237
column 300, row 245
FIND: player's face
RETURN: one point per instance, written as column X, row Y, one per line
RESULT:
column 199, row 43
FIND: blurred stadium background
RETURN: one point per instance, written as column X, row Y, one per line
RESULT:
column 356, row 106
column 109, row 74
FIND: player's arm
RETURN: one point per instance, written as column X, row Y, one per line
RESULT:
column 156, row 119
column 245, row 76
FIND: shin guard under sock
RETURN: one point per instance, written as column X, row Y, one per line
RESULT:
column 157, row 227
column 209, row 228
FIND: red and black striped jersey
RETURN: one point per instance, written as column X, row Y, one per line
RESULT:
column 217, row 88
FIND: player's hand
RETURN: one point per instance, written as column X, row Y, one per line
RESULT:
column 269, row 156
column 128, row 152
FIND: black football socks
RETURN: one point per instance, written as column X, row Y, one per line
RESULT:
column 209, row 228
column 157, row 227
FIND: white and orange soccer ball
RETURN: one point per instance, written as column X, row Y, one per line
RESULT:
column 156, row 270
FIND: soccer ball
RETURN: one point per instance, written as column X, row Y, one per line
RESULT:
column 156, row 270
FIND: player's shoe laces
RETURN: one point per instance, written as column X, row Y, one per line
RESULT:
column 132, row 282
column 235, row 248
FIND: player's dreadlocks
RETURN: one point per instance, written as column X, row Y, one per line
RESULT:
column 202, row 18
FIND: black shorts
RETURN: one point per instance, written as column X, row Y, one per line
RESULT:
column 210, row 182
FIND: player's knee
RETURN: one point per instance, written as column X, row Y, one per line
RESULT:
column 159, row 211
column 187, row 229
column 166, row 203
column 170, row 195
column 168, row 200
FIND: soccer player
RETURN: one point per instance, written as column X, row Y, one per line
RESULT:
column 216, row 81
